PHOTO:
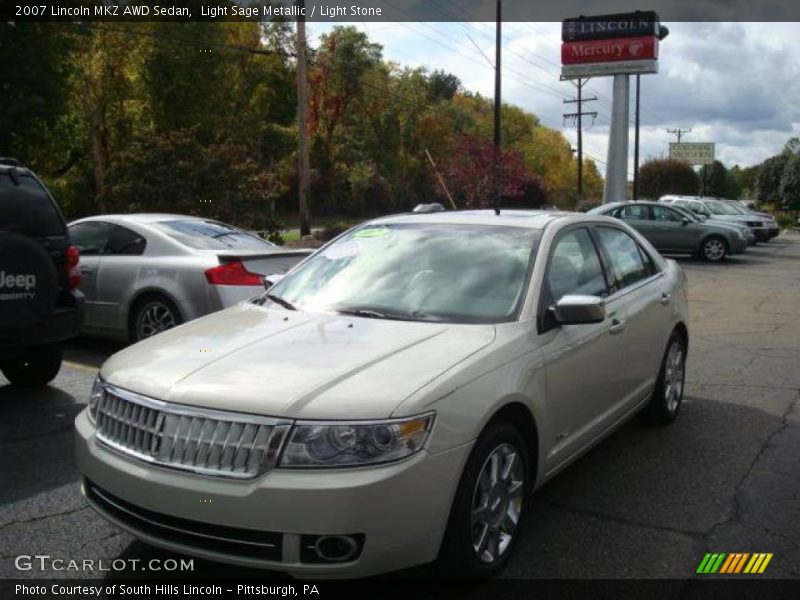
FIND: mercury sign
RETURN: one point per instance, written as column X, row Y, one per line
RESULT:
column 633, row 48
column 694, row 153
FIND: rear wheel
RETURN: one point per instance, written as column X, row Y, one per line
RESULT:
column 665, row 404
column 488, row 507
column 38, row 366
column 152, row 315
column 714, row 249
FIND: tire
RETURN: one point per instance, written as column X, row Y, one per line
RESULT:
column 458, row 557
column 665, row 403
column 714, row 249
column 37, row 367
column 151, row 315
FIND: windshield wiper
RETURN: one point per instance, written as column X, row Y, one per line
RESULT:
column 370, row 313
column 284, row 303
column 363, row 312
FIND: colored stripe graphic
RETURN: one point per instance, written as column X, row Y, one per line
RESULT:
column 734, row 563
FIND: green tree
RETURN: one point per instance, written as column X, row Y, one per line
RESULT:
column 770, row 175
column 790, row 184
column 720, row 182
column 666, row 176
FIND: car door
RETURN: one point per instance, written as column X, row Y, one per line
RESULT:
column 118, row 275
column 583, row 369
column 639, row 291
column 671, row 232
column 91, row 239
column 638, row 216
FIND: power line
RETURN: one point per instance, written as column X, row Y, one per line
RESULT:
column 678, row 133
column 578, row 117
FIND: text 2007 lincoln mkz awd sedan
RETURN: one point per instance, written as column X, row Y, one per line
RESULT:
column 393, row 400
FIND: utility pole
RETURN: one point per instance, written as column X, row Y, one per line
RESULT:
column 636, row 144
column 578, row 116
column 678, row 133
column 303, row 167
column 497, row 98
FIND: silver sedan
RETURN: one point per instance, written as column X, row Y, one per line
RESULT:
column 145, row 273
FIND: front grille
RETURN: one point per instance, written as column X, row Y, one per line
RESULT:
column 754, row 223
column 221, row 539
column 209, row 442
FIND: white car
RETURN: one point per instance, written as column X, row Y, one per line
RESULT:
column 392, row 400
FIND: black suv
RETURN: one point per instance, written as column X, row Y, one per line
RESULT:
column 40, row 306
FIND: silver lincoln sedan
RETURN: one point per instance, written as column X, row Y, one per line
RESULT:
column 142, row 274
column 393, row 400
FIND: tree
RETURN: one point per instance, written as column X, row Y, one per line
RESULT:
column 790, row 184
column 666, row 176
column 768, row 184
column 478, row 173
column 720, row 182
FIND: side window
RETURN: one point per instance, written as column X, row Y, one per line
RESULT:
column 636, row 212
column 627, row 264
column 91, row 237
column 574, row 268
column 124, row 242
column 661, row 213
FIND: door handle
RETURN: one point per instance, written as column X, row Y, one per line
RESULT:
column 665, row 298
column 617, row 326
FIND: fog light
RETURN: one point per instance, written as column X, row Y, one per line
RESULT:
column 331, row 548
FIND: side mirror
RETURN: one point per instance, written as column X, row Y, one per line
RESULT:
column 686, row 220
column 271, row 280
column 575, row 309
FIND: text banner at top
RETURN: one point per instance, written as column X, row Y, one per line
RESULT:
column 386, row 10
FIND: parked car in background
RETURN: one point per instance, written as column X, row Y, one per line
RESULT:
column 393, row 400
column 670, row 229
column 145, row 273
column 772, row 224
column 39, row 304
column 720, row 210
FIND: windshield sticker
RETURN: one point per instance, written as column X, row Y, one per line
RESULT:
column 342, row 250
column 372, row 232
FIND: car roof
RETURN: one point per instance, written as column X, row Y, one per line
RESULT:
column 532, row 219
column 145, row 218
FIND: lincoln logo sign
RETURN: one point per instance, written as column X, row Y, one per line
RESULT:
column 609, row 50
column 637, row 24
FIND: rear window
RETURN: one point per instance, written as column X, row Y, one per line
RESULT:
column 211, row 235
column 26, row 207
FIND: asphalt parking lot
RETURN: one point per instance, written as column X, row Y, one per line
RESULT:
column 646, row 503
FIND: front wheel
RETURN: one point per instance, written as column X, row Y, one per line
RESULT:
column 488, row 507
column 714, row 249
column 665, row 403
column 152, row 316
column 37, row 367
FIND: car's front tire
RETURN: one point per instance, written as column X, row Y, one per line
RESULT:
column 38, row 366
column 489, row 504
column 665, row 403
column 714, row 249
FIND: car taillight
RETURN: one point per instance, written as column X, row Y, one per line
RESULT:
column 233, row 273
column 71, row 259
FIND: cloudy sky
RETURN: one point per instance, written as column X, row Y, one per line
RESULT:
column 735, row 84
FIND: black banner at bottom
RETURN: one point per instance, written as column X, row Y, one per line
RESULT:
column 221, row 589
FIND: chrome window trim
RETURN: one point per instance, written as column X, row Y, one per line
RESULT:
column 281, row 428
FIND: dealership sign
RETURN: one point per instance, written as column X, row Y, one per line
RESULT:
column 596, row 51
column 620, row 44
column 636, row 24
column 694, row 153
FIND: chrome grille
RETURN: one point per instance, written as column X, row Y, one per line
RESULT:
column 210, row 442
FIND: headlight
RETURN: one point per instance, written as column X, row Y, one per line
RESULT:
column 317, row 444
column 98, row 389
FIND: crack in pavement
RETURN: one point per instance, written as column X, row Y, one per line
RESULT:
column 736, row 506
column 101, row 539
column 42, row 517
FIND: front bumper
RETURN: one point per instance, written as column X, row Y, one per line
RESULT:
column 400, row 509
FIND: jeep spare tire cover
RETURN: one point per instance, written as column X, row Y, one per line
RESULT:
column 28, row 283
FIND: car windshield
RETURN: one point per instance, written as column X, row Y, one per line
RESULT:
column 717, row 207
column 212, row 235
column 417, row 271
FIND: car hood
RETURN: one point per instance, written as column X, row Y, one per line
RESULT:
column 294, row 364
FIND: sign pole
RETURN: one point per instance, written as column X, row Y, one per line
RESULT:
column 616, row 187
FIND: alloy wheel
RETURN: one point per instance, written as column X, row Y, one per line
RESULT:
column 714, row 249
column 154, row 317
column 674, row 373
column 497, row 503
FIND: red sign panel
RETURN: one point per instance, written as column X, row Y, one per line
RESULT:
column 612, row 50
